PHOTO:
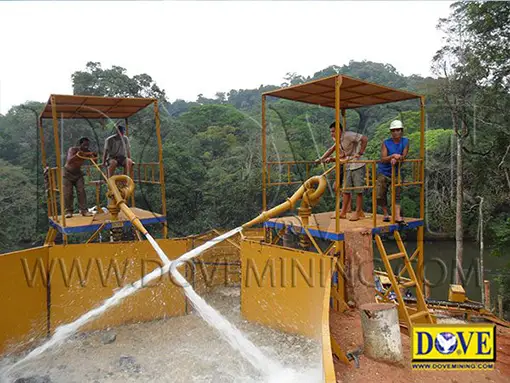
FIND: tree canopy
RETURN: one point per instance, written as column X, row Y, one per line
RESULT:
column 212, row 145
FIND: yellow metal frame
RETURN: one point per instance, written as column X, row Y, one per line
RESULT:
column 418, row 167
column 55, row 196
column 69, row 298
column 274, row 293
column 407, row 315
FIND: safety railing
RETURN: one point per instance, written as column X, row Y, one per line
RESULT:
column 288, row 165
column 95, row 179
column 397, row 180
column 141, row 173
column 370, row 183
column 417, row 179
column 53, row 190
column 147, row 173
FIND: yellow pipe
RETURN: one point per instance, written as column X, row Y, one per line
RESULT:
column 310, row 198
column 420, row 267
column 59, row 160
column 264, row 155
column 161, row 167
column 43, row 162
column 374, row 196
column 120, row 198
column 338, row 83
column 132, row 174
column 393, row 194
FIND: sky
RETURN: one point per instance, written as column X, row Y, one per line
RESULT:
column 192, row 48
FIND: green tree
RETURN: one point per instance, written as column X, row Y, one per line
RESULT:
column 18, row 207
column 114, row 82
column 199, row 118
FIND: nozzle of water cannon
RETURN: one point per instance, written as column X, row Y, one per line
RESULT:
column 259, row 219
column 311, row 199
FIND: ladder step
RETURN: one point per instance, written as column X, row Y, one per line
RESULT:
column 396, row 256
column 419, row 314
column 409, row 284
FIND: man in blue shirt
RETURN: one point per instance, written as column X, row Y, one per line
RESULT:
column 393, row 151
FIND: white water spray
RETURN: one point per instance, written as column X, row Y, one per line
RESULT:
column 229, row 332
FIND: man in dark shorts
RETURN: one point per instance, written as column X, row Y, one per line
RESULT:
column 117, row 152
column 352, row 148
column 394, row 150
column 73, row 177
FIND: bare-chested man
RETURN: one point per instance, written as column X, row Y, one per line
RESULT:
column 73, row 177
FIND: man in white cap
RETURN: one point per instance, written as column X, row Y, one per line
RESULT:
column 393, row 151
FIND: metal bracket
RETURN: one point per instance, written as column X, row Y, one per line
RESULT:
column 385, row 229
column 117, row 224
column 354, row 355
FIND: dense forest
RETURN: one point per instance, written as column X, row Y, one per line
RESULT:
column 212, row 148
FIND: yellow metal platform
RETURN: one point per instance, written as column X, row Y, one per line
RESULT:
column 322, row 225
column 80, row 224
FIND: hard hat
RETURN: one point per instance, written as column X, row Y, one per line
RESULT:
column 397, row 124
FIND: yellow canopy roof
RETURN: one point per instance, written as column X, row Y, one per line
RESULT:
column 354, row 93
column 91, row 107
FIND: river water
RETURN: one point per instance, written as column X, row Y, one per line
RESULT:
column 439, row 266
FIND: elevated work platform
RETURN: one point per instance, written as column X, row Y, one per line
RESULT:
column 80, row 224
column 322, row 225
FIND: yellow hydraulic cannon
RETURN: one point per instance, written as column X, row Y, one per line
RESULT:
column 120, row 188
column 310, row 197
column 118, row 197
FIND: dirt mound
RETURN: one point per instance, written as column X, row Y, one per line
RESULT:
column 346, row 329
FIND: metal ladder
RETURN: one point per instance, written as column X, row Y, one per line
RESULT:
column 409, row 315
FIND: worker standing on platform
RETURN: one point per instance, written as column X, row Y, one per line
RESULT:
column 352, row 148
column 117, row 152
column 73, row 177
column 393, row 151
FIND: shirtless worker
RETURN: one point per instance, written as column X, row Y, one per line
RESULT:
column 352, row 148
column 73, row 177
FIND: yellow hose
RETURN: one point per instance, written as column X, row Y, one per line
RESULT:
column 120, row 196
column 310, row 198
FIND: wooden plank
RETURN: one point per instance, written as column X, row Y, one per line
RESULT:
column 325, row 222
column 78, row 220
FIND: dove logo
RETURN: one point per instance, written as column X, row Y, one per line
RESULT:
column 459, row 342
column 446, row 343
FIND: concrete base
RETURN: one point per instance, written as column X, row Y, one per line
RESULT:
column 381, row 332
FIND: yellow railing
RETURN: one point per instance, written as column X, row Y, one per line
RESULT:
column 95, row 179
column 53, row 189
column 288, row 165
column 141, row 173
column 417, row 178
column 148, row 173
column 370, row 178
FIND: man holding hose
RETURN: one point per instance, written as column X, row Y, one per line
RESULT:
column 73, row 177
column 352, row 148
